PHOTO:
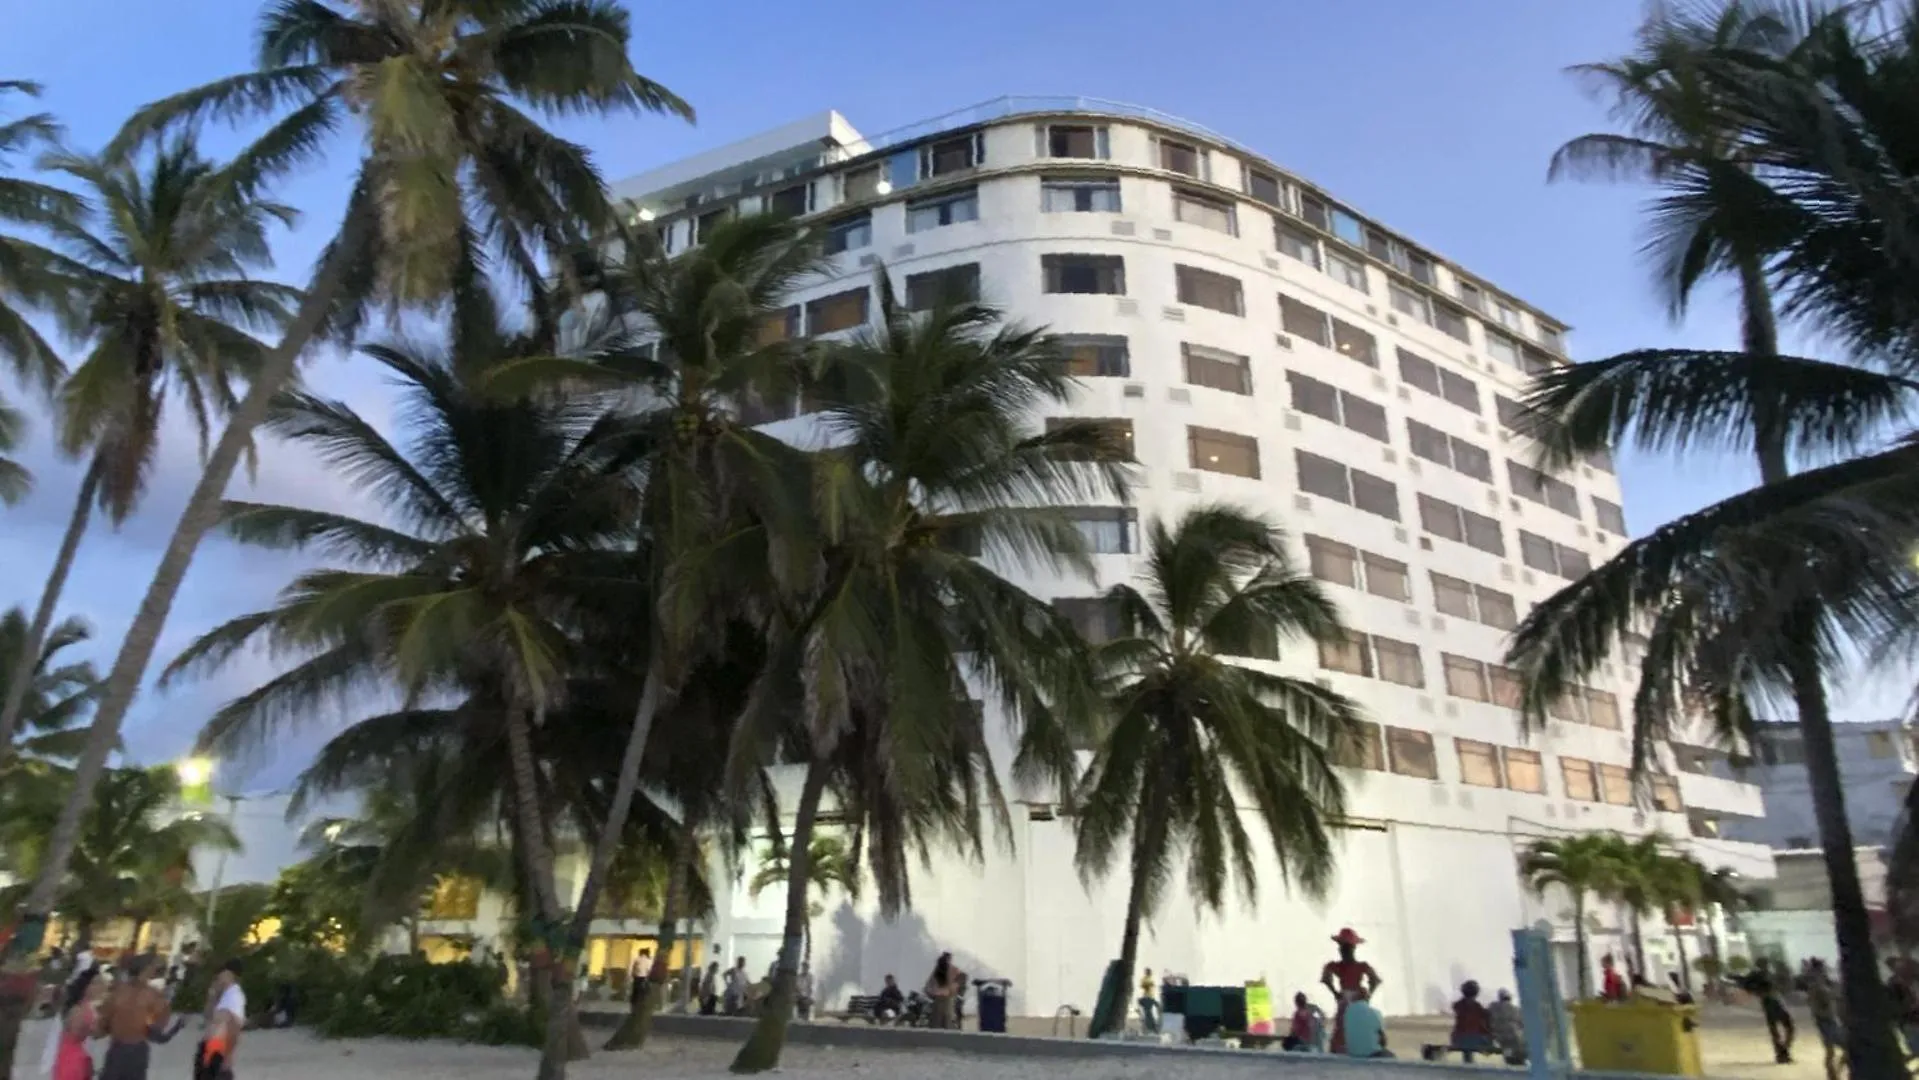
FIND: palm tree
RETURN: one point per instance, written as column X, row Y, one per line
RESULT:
column 1752, row 598
column 1722, row 894
column 159, row 279
column 508, row 516
column 1585, row 865
column 452, row 164
column 830, row 866
column 926, row 418
column 56, row 695
column 1189, row 727
column 15, row 479
column 1652, row 878
column 27, row 277
column 135, row 852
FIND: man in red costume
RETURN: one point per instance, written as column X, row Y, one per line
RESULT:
column 1343, row 975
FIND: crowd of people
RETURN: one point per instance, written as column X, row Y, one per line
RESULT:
column 128, row 1009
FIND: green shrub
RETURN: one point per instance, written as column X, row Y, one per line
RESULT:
column 507, row 1024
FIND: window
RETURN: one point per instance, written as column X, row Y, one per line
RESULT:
column 1107, row 530
column 1096, row 620
column 1398, row 662
column 1581, row 784
column 1567, row 707
column 1203, row 288
column 1542, row 554
column 1184, row 158
column 1222, row 452
column 1411, row 753
column 952, row 155
column 1388, row 578
column 1218, row 369
column 1208, row 213
column 1523, row 771
column 1507, row 314
column 1070, row 194
column 1479, row 763
column 1449, row 450
column 1505, row 685
column 704, row 225
column 1551, row 337
column 1076, row 273
column 778, row 326
column 1451, row 321
column 1074, row 141
column 1407, row 302
column 1354, row 487
column 946, row 208
column 1601, row 460
column 840, row 311
column 849, row 233
column 1304, row 320
column 454, row 897
column 1441, row 518
column 1295, row 242
column 1333, row 561
column 1094, row 355
column 1615, row 785
column 1342, row 407
column 1471, row 295
column 1665, row 795
column 1355, row 343
column 790, row 202
column 1264, row 187
column 1530, row 483
column 1315, row 213
column 1346, row 227
column 1115, row 435
column 1423, row 374
column 1361, row 748
column 1465, row 600
column 860, row 184
column 1602, row 709
column 1610, row 515
column 1420, row 267
column 1502, row 349
column 1534, row 362
column 1465, row 677
column 1348, row 272
column 1512, row 415
column 946, row 286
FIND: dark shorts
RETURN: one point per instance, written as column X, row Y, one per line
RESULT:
column 125, row 1061
column 1830, row 1032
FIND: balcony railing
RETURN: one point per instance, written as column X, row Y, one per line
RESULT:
column 1017, row 105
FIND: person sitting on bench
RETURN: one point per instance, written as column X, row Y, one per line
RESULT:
column 1472, row 1024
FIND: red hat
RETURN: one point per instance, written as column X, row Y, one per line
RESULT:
column 1347, row 937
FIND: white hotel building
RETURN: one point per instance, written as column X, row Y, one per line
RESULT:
column 1264, row 344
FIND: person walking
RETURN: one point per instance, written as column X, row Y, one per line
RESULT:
column 1768, row 983
column 136, row 1012
column 1148, row 1004
column 709, row 992
column 942, row 987
column 637, row 974
column 78, row 1021
column 1345, row 975
column 1822, row 1000
column 733, row 1001
column 803, row 992
column 226, row 1019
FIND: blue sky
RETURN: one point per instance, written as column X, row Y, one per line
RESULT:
column 1436, row 118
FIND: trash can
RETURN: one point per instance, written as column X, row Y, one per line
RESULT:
column 992, row 1004
column 1638, row 1036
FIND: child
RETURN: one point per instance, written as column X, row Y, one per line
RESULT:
column 1308, row 1030
column 1472, row 1023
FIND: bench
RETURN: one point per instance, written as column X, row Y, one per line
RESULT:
column 1440, row 1051
column 860, row 1007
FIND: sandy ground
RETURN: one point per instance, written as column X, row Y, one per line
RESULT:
column 1734, row 1043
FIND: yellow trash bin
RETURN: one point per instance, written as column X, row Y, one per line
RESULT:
column 1638, row 1036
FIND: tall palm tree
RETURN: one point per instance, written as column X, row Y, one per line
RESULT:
column 509, row 516
column 1189, row 728
column 452, row 164
column 1585, row 865
column 159, row 275
column 830, row 866
column 1756, row 597
column 15, row 479
column 57, row 694
column 27, row 276
column 927, row 420
column 1653, row 879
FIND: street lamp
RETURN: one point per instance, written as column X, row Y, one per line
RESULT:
column 194, row 771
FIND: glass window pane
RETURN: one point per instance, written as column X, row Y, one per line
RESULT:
column 1264, row 187
column 1074, row 273
column 1439, row 517
column 1366, row 417
column 1610, row 515
column 944, row 287
column 1459, row 390
column 1346, row 271
column 1581, row 785
column 1206, row 289
column 1297, row 243
column 1362, row 748
column 1418, row 371
column 1207, row 213
column 1375, row 494
column 1095, row 355
column 1313, row 397
column 1523, row 772
column 1333, row 561
column 1323, row 476
column 1350, row 655
column 1388, row 578
column 1217, row 369
column 1355, row 343
column 840, row 311
column 1602, row 709
column 1505, row 686
column 1399, row 662
column 1615, row 784
column 1478, row 764
column 1303, row 320
column 1411, row 753
column 1222, row 452
column 1452, row 596
column 1465, row 677
column 1483, row 532
column 1496, row 608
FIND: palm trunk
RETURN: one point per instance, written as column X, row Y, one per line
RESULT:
column 136, row 651
column 762, row 1048
column 639, row 1020
column 1718, row 957
column 549, row 965
column 1871, row 1046
column 20, row 678
column 1146, row 837
column 1582, row 962
column 1685, row 974
column 1638, row 946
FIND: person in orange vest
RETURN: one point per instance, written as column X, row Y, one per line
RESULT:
column 1345, row 974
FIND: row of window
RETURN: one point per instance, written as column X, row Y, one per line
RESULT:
column 1380, row 575
column 1375, row 657
column 1412, row 752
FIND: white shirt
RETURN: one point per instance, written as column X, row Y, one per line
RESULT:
column 804, row 986
column 233, row 1000
column 642, row 967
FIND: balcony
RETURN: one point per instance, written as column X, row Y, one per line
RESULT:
column 1720, row 795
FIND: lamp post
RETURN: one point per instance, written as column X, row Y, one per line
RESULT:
column 196, row 786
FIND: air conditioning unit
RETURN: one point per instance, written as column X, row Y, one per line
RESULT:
column 1405, row 394
column 1505, row 572
column 1391, row 457
column 868, row 261
column 1513, row 504
column 1582, row 532
column 1292, row 421
column 1185, row 481
column 1180, row 394
column 1425, row 704
column 1128, row 306
column 1371, row 310
column 1303, row 503
column 1284, row 341
column 1271, row 263
column 1173, row 314
column 1124, row 228
column 1134, row 389
column 1452, row 709
column 1425, row 543
column 1527, row 578
column 1412, row 617
column 1379, row 382
column 902, row 251
column 1162, row 234
column 1479, row 426
column 1392, row 320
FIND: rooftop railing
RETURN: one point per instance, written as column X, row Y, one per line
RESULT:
column 1016, row 104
